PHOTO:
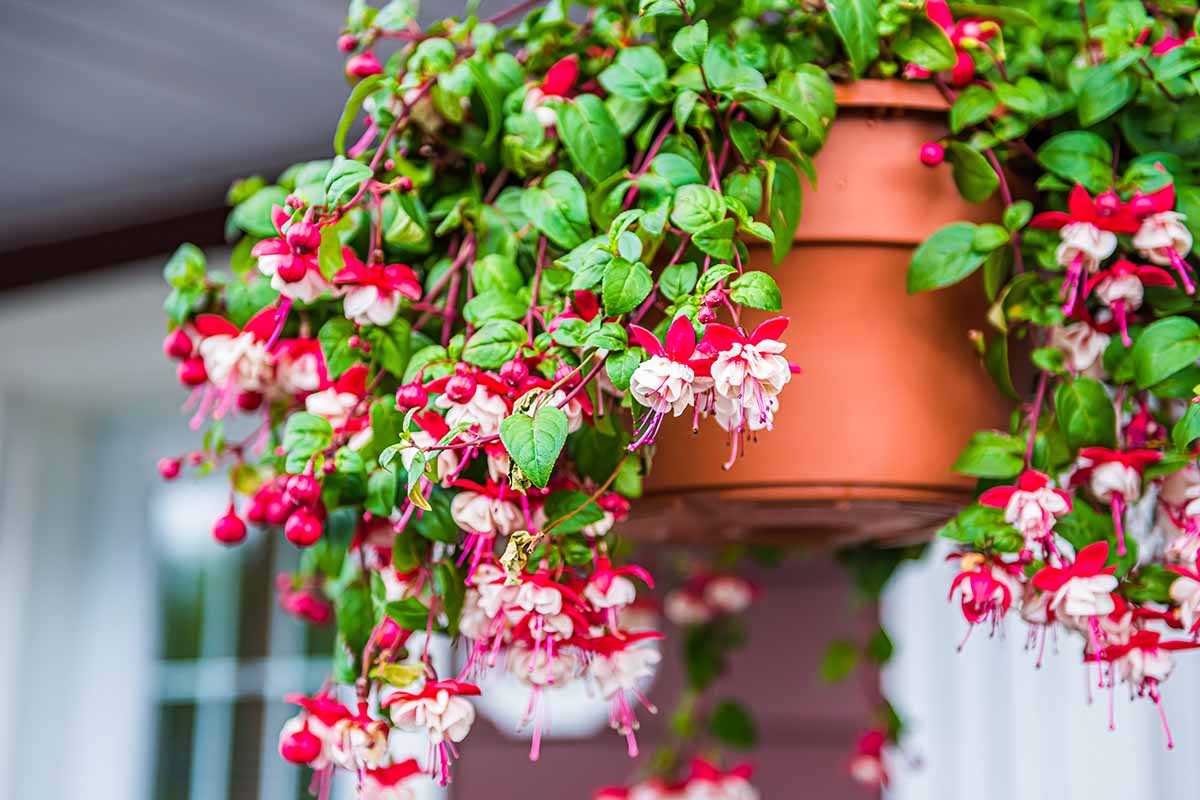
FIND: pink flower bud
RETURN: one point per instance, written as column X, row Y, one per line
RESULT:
column 1108, row 203
column 191, row 372
column 389, row 635
column 347, row 42
column 461, row 388
column 301, row 747
column 411, row 395
column 177, row 345
column 514, row 372
column 714, row 297
column 248, row 401
column 168, row 468
column 362, row 65
column 706, row 315
column 277, row 509
column 294, row 201
column 932, row 154
column 229, row 529
column 292, row 270
column 303, row 529
column 302, row 490
column 303, row 237
column 404, row 183
column 256, row 512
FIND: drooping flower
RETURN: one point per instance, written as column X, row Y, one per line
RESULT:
column 1114, row 477
column 290, row 259
column 473, row 399
column 987, row 588
column 866, row 765
column 618, row 665
column 1145, row 662
column 303, row 601
column 236, row 361
column 374, row 293
column 338, row 401
column 319, row 718
column 664, row 383
column 1185, row 591
column 388, row 783
column 1083, row 343
column 1031, row 506
column 1082, row 589
column 1121, row 287
column 299, row 367
column 442, row 710
column 964, row 34
column 558, row 83
column 1088, row 230
column 1162, row 236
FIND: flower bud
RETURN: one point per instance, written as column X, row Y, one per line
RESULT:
column 404, row 183
column 293, row 201
column 303, row 237
column 362, row 65
column 514, row 372
column 706, row 315
column 249, row 401
column 191, row 372
column 168, row 468
column 303, row 529
column 229, row 529
column 277, row 509
column 347, row 42
column 301, row 747
column 714, row 297
column 177, row 345
column 411, row 395
column 302, row 490
column 1108, row 203
column 256, row 511
column 389, row 635
column 354, row 342
column 932, row 154
column 292, row 270
column 461, row 388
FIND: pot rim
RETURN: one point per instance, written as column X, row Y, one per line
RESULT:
column 892, row 93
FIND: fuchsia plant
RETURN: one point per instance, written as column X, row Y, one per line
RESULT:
column 452, row 345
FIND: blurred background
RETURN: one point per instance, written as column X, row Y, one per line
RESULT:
column 140, row 660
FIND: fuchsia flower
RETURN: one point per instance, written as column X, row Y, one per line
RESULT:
column 290, row 259
column 866, row 765
column 987, row 588
column 1121, row 287
column 1162, row 236
column 963, row 34
column 1088, row 230
column 309, row 737
column 338, row 401
column 387, row 783
column 618, row 665
column 374, row 296
column 1084, row 588
column 1185, row 591
column 235, row 361
column 442, row 710
column 1145, row 662
column 1114, row 477
column 299, row 367
column 473, row 398
column 559, row 81
column 1031, row 506
column 304, row 601
column 665, row 382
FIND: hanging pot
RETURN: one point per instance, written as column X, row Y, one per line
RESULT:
column 891, row 386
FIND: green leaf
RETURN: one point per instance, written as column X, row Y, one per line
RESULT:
column 306, row 434
column 973, row 106
column 437, row 524
column 381, row 492
column 731, row 724
column 334, row 338
column 716, row 238
column 449, row 585
column 945, row 258
column 363, row 89
column 560, row 504
column 926, row 45
column 493, row 344
column 1103, row 92
column 839, row 661
column 1085, row 414
column 638, row 73
column 685, row 103
column 989, row 237
column 343, row 180
column 1187, row 429
column 678, row 280
column 1164, row 348
column 254, row 215
column 675, row 169
column 559, row 210
column 973, row 175
column 185, row 267
column 857, row 23
column 589, row 132
column 626, row 284
column 495, row 304
column 696, row 206
column 390, row 345
column 534, row 442
column 1079, row 156
column 880, row 647
column 355, row 614
column 410, row 613
column 991, row 454
column 1017, row 215
column 620, row 367
column 783, row 205
column 756, row 290
column 996, row 362
column 690, row 42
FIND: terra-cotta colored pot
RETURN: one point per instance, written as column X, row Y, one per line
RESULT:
column 891, row 387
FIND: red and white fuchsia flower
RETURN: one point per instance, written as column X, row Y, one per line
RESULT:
column 290, row 260
column 1114, row 477
column 866, row 765
column 1121, row 287
column 1031, row 506
column 986, row 588
column 442, row 710
column 665, row 382
column 373, row 292
column 1162, row 237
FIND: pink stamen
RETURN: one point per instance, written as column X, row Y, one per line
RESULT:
column 1118, row 515
column 1119, row 311
column 285, row 305
column 1070, row 288
column 1182, row 267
